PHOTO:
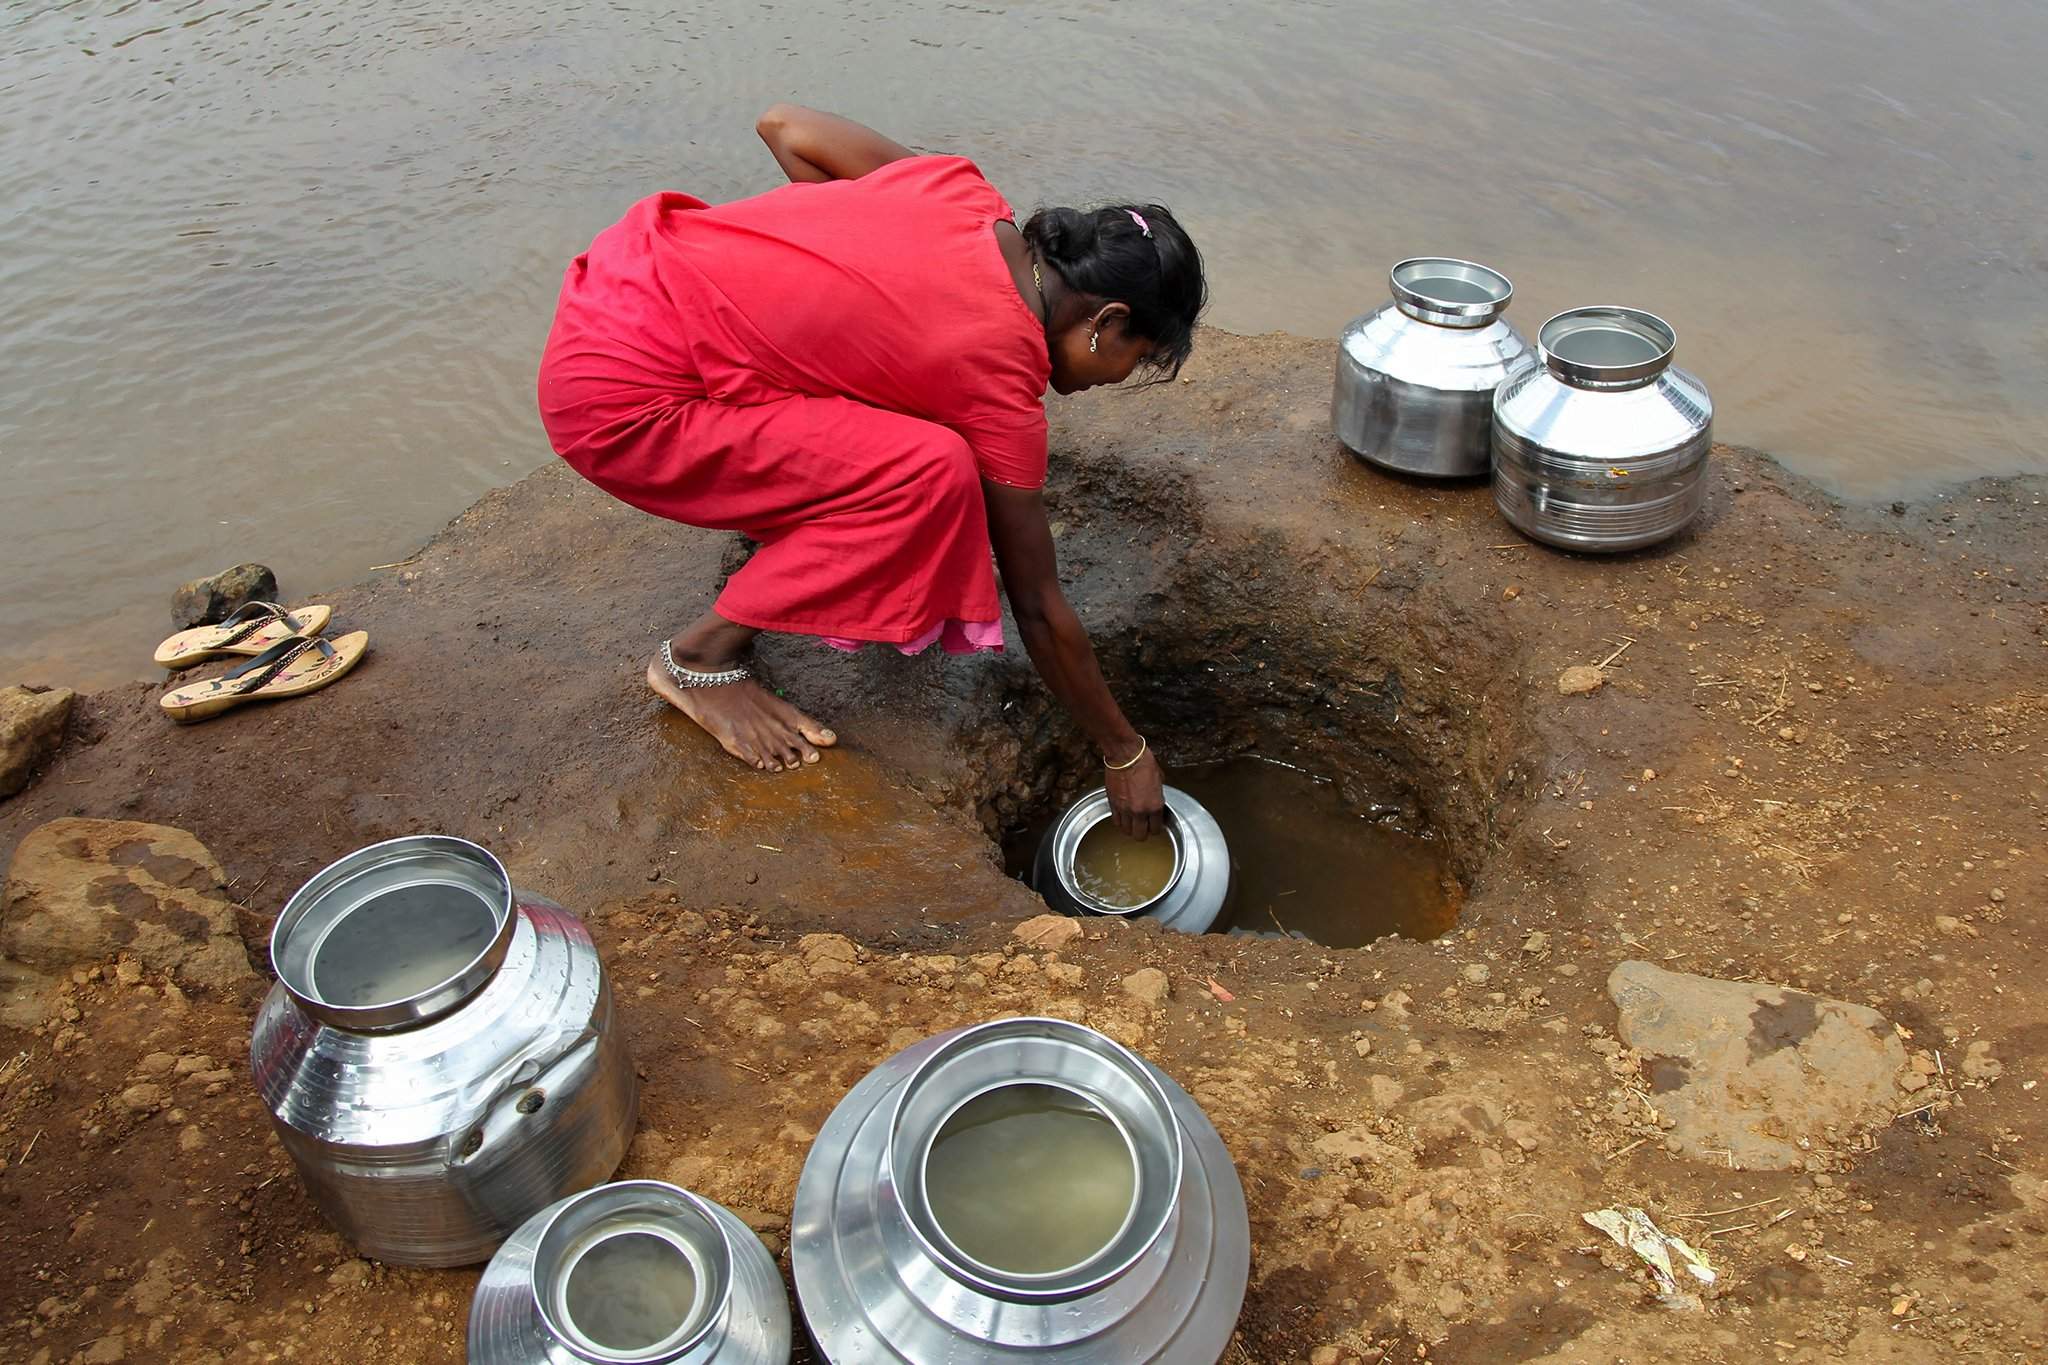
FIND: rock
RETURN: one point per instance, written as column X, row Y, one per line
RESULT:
column 1386, row 1092
column 206, row 600
column 31, row 726
column 145, row 1098
column 108, row 1350
column 828, row 954
column 1325, row 1355
column 1579, row 680
column 350, row 1274
column 82, row 892
column 1048, row 931
column 1147, row 985
column 1955, row 928
column 1536, row 942
column 1748, row 1072
column 1980, row 1065
column 157, row 1063
column 1478, row 973
column 191, row 1139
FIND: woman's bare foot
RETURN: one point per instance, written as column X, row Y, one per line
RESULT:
column 755, row 727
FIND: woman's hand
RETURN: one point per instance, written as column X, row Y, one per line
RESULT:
column 1137, row 796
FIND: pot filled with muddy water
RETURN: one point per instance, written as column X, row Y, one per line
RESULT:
column 1086, row 866
column 635, row 1273
column 439, row 1054
column 1415, row 379
column 1603, row 447
column 1022, row 1188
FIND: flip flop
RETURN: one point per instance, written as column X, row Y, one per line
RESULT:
column 253, row 629
column 289, row 668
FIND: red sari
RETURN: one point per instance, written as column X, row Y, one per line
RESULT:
column 831, row 369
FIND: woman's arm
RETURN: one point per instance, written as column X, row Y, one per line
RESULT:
column 1060, row 649
column 816, row 147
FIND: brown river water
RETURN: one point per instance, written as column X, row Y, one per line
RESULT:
column 275, row 273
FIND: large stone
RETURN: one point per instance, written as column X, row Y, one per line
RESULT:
column 1755, row 1075
column 31, row 726
column 206, row 600
column 87, row 891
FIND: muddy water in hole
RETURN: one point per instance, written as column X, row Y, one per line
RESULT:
column 275, row 275
column 1030, row 1179
column 1305, row 863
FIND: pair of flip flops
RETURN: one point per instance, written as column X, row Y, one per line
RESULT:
column 287, row 658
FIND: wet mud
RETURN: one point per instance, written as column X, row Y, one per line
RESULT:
column 1815, row 758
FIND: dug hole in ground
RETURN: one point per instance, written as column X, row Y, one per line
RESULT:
column 1748, row 935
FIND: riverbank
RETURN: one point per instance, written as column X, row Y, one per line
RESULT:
column 1814, row 758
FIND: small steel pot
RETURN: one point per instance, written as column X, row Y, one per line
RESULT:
column 879, row 1279
column 1415, row 380
column 1194, row 896
column 439, row 1054
column 1604, row 446
column 698, row 1286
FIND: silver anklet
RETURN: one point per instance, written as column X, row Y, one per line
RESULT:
column 690, row 677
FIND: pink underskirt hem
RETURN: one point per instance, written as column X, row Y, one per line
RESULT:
column 956, row 636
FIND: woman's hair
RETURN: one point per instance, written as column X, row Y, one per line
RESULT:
column 1151, row 266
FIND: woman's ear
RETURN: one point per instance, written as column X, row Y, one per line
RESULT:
column 1112, row 316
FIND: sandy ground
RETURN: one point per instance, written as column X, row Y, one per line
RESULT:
column 1817, row 761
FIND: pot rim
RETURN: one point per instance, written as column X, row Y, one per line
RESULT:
column 644, row 1208
column 1637, row 322
column 1424, row 307
column 1072, row 1282
column 338, row 891
column 1081, row 820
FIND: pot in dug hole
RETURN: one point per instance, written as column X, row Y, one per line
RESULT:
column 1603, row 447
column 892, row 1266
column 1415, row 379
column 439, row 1054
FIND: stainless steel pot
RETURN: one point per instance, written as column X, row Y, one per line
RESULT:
column 1194, row 896
column 1604, row 446
column 636, row 1273
column 879, row 1278
column 1415, row 380
column 439, row 1054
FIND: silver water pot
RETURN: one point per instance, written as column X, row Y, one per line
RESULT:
column 636, row 1273
column 439, row 1054
column 1415, row 380
column 1603, row 447
column 882, row 1276
column 1195, row 893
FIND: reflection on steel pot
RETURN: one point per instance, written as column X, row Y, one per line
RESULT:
column 1195, row 892
column 1415, row 380
column 888, row 1268
column 439, row 1054
column 637, row 1273
column 1604, row 446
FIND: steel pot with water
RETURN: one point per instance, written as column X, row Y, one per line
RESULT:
column 1415, row 380
column 439, row 1054
column 1022, row 1189
column 636, row 1273
column 1604, row 446
column 1185, row 885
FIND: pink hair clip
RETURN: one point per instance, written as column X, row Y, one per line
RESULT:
column 1139, row 219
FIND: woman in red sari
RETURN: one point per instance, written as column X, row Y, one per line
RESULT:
column 851, row 370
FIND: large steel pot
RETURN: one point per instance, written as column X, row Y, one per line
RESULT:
column 880, row 1278
column 636, row 1273
column 1415, row 380
column 1193, row 897
column 439, row 1054
column 1604, row 446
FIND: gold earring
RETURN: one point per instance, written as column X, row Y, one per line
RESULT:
column 1093, row 338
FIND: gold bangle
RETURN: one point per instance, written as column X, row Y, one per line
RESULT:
column 1120, row 767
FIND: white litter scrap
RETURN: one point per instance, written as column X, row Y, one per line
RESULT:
column 1632, row 1230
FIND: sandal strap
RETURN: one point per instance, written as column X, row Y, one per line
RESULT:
column 251, row 617
column 262, row 670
